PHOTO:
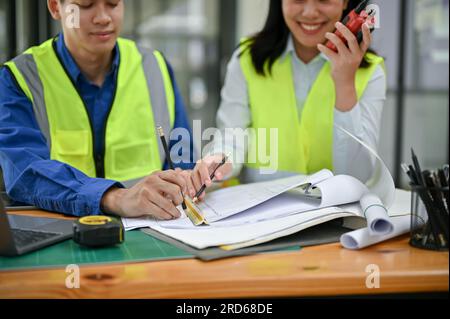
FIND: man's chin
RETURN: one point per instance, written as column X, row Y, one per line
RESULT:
column 103, row 47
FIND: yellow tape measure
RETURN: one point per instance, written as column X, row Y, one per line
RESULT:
column 98, row 231
column 95, row 220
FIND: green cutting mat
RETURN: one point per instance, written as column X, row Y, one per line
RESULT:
column 136, row 248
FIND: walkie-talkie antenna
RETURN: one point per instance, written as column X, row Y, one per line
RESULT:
column 361, row 6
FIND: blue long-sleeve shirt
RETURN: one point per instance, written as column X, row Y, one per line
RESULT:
column 29, row 173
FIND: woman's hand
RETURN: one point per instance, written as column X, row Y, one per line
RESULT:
column 187, row 175
column 204, row 168
column 345, row 63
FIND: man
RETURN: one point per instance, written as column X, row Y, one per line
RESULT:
column 78, row 115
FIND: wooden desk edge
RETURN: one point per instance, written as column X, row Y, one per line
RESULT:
column 326, row 270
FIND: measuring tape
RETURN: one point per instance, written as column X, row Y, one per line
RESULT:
column 98, row 231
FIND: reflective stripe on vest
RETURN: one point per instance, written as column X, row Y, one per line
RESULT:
column 305, row 144
column 144, row 99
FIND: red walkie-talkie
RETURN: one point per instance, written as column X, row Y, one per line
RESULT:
column 354, row 21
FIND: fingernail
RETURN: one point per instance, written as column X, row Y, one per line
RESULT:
column 192, row 192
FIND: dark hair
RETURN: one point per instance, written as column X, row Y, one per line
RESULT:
column 269, row 44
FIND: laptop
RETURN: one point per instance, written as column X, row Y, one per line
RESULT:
column 11, row 205
column 22, row 234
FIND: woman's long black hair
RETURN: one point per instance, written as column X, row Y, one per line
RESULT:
column 269, row 44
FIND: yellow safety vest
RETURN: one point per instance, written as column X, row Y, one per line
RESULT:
column 144, row 99
column 305, row 143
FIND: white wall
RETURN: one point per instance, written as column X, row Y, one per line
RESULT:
column 252, row 15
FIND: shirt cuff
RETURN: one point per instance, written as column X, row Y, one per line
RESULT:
column 92, row 194
column 351, row 120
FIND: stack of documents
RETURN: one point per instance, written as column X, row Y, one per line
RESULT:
column 247, row 215
column 251, row 214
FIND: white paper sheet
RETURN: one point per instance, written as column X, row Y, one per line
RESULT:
column 334, row 191
column 253, row 227
column 378, row 220
column 210, row 236
column 230, row 201
column 400, row 208
column 258, row 232
column 283, row 205
column 400, row 216
column 362, row 238
column 381, row 183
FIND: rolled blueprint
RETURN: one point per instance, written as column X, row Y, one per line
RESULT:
column 361, row 238
column 378, row 220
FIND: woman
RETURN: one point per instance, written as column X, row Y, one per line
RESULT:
column 285, row 77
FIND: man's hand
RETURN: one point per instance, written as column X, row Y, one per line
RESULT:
column 157, row 195
column 204, row 168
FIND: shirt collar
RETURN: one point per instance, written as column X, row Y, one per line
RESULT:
column 290, row 50
column 70, row 64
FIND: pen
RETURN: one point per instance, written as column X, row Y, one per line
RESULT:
column 427, row 201
column 443, row 180
column 417, row 169
column 438, row 207
column 445, row 169
column 413, row 176
column 202, row 189
column 444, row 184
column 169, row 160
column 408, row 172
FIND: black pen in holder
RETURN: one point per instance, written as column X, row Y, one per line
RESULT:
column 429, row 218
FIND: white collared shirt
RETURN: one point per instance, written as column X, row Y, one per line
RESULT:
column 363, row 120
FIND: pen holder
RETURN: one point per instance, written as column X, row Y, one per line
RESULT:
column 429, row 218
